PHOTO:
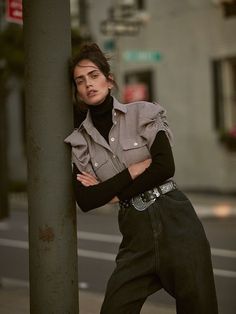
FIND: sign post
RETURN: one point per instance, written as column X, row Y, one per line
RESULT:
column 123, row 20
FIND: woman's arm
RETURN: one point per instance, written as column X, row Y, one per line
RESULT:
column 91, row 194
column 131, row 181
column 161, row 169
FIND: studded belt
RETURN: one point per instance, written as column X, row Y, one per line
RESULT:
column 144, row 200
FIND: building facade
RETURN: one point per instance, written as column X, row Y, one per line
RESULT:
column 183, row 56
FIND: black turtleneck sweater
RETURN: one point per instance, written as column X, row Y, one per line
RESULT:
column 101, row 116
column 122, row 185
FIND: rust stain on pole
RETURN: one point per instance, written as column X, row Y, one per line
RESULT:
column 46, row 234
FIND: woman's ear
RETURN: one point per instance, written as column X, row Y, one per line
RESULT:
column 110, row 81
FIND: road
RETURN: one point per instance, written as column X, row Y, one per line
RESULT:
column 99, row 239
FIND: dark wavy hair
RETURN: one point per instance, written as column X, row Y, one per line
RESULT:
column 92, row 52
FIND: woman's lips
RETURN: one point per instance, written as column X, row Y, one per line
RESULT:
column 91, row 93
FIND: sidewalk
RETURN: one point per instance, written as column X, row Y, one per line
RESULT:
column 206, row 205
column 15, row 300
column 209, row 205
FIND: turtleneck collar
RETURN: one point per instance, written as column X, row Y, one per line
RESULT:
column 104, row 108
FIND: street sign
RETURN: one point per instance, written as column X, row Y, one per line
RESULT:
column 128, row 28
column 142, row 56
column 14, row 12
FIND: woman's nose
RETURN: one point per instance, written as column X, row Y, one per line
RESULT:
column 88, row 82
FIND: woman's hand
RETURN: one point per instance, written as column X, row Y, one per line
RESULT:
column 138, row 168
column 87, row 179
column 114, row 200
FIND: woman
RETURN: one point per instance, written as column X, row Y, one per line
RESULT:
column 122, row 153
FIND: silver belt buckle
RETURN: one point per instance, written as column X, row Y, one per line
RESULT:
column 156, row 192
column 139, row 204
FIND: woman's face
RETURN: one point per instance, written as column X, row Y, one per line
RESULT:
column 92, row 86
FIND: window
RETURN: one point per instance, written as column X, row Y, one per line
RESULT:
column 229, row 8
column 224, row 88
column 140, row 4
column 138, row 86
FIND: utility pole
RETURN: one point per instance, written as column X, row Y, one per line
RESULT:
column 4, row 180
column 4, row 185
column 49, row 119
column 123, row 20
column 83, row 19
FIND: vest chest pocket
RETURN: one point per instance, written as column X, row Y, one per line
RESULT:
column 99, row 164
column 102, row 167
column 134, row 150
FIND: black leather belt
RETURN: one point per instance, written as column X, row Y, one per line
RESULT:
column 144, row 200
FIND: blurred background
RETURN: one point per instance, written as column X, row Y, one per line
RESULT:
column 181, row 54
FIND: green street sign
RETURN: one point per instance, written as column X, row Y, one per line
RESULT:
column 109, row 45
column 142, row 56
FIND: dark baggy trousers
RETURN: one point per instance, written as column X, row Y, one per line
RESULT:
column 164, row 246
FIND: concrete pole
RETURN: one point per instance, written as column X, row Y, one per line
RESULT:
column 4, row 171
column 4, row 182
column 52, row 214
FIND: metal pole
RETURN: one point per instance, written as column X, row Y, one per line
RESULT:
column 4, row 173
column 52, row 214
column 4, row 204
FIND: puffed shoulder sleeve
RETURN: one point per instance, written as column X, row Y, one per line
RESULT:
column 79, row 151
column 153, row 119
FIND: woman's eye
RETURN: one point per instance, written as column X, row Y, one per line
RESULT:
column 79, row 82
column 95, row 75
